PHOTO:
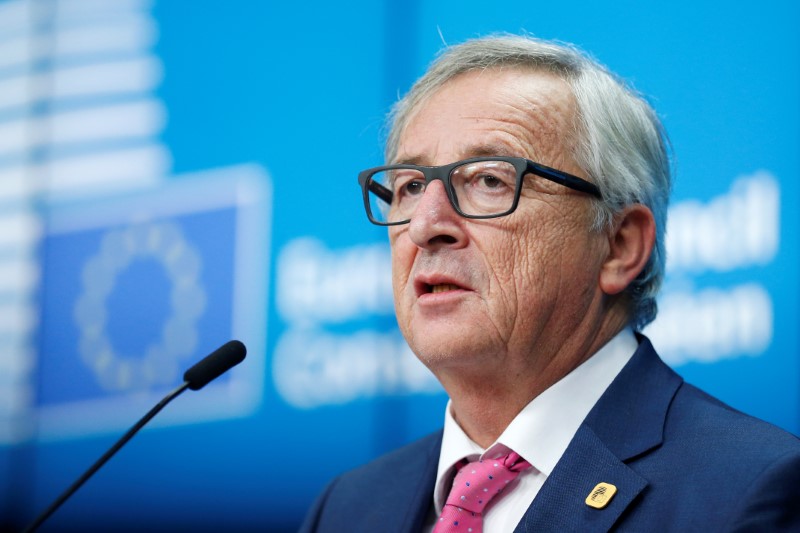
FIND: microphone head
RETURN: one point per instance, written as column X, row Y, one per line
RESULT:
column 214, row 365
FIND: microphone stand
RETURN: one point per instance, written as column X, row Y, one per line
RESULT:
column 106, row 456
column 201, row 374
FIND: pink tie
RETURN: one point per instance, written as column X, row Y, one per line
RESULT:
column 474, row 487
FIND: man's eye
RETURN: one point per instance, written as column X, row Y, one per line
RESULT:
column 412, row 188
column 487, row 181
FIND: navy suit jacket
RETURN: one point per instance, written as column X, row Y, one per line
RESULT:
column 680, row 459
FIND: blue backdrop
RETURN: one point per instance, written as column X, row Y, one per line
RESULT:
column 175, row 174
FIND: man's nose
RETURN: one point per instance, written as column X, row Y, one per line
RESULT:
column 434, row 222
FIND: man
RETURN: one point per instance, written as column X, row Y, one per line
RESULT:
column 526, row 198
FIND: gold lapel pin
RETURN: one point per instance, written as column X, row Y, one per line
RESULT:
column 601, row 494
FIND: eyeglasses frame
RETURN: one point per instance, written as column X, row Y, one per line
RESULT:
column 521, row 165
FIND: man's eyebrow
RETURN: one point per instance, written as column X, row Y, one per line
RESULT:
column 488, row 150
column 415, row 160
column 480, row 150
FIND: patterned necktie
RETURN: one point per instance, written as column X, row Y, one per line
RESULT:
column 474, row 486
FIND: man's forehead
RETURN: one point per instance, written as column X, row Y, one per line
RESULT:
column 495, row 112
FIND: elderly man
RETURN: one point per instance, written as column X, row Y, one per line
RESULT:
column 526, row 198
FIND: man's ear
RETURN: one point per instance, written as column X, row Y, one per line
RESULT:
column 630, row 243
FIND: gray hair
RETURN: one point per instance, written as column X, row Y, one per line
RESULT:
column 619, row 141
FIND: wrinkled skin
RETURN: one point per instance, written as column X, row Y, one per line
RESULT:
column 527, row 297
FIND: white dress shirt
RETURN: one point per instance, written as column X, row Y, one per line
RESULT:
column 540, row 433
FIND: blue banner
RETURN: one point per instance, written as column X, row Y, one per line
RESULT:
column 172, row 177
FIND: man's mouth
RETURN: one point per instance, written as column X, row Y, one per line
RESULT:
column 443, row 288
column 437, row 284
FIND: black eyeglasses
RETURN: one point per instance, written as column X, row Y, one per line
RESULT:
column 480, row 187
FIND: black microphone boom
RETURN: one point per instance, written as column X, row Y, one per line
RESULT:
column 210, row 368
column 223, row 359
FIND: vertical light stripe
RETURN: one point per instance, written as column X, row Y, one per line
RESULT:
column 123, row 168
column 129, row 34
column 138, row 74
column 18, row 275
column 141, row 119
column 19, row 229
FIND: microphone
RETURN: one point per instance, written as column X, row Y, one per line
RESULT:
column 201, row 374
column 223, row 359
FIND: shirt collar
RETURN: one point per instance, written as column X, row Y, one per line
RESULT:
column 541, row 432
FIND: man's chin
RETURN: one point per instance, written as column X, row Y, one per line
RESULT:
column 450, row 354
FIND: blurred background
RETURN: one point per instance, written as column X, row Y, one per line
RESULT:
column 175, row 174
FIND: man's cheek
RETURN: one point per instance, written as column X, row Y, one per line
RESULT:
column 402, row 262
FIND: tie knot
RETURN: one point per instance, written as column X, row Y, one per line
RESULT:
column 476, row 483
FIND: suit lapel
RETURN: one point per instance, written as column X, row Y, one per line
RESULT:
column 627, row 421
column 560, row 505
column 420, row 497
column 398, row 497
